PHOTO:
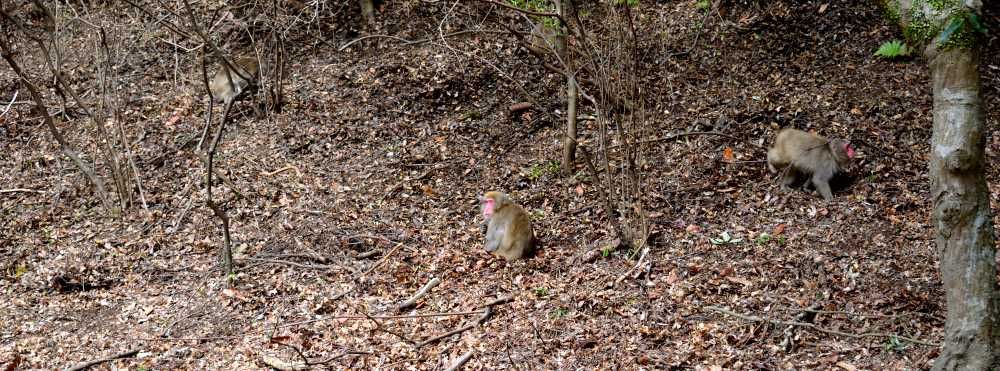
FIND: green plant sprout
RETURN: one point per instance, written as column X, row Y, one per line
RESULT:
column 725, row 239
column 893, row 49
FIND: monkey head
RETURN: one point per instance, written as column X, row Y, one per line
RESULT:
column 843, row 152
column 492, row 201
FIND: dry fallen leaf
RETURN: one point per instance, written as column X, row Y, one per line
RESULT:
column 727, row 155
column 739, row 280
column 672, row 276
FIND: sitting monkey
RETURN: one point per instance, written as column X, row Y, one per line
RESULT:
column 508, row 230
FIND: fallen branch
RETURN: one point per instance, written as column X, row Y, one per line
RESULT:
column 498, row 301
column 408, row 316
column 380, row 261
column 379, row 327
column 367, row 254
column 262, row 261
column 805, row 316
column 281, row 170
column 460, row 361
column 642, row 259
column 278, row 364
column 89, row 364
column 486, row 315
column 820, row 329
column 518, row 107
column 420, row 294
column 15, row 190
column 11, row 103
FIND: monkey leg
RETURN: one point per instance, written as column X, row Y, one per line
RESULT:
column 822, row 186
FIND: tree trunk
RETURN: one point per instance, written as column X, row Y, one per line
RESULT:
column 961, row 213
column 562, row 47
column 961, row 200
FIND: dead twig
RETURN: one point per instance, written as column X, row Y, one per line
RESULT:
column 420, row 294
column 11, row 103
column 408, row 316
column 498, row 301
column 460, row 361
column 281, row 170
column 642, row 259
column 379, row 327
column 16, row 190
column 337, row 356
column 279, row 364
column 305, row 360
column 479, row 321
column 820, row 329
column 262, row 261
column 89, row 364
column 805, row 316
column 486, row 315
column 379, row 262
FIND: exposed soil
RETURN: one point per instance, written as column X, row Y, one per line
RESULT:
column 384, row 147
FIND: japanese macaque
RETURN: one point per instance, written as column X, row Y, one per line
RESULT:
column 508, row 228
column 228, row 84
column 797, row 153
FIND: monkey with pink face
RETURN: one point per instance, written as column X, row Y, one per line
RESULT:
column 798, row 154
column 508, row 228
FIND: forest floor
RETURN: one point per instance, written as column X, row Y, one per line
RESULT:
column 383, row 147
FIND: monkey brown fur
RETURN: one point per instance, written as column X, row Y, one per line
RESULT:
column 245, row 77
column 508, row 230
column 806, row 154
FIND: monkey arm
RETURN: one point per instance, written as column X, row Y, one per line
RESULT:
column 821, row 180
column 494, row 235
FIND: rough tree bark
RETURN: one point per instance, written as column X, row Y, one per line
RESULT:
column 961, row 213
column 562, row 47
column 950, row 31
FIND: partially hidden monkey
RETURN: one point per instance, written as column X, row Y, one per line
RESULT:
column 799, row 154
column 228, row 85
column 508, row 230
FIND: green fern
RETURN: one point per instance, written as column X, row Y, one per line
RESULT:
column 892, row 49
